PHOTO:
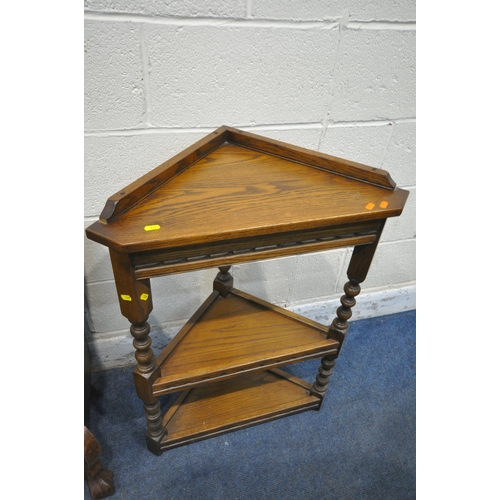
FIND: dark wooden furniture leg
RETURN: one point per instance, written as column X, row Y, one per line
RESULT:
column 136, row 304
column 358, row 269
column 223, row 281
column 99, row 480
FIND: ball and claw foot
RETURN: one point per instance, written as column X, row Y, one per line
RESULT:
column 99, row 480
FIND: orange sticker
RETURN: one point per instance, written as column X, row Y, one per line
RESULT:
column 383, row 204
column 370, row 206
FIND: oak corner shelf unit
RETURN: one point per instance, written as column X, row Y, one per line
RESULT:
column 230, row 198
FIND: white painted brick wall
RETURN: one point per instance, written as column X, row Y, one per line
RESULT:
column 374, row 76
column 359, row 10
column 113, row 76
column 333, row 76
column 188, row 8
column 242, row 75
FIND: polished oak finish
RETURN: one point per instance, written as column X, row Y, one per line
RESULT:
column 230, row 198
column 227, row 406
column 236, row 335
column 234, row 193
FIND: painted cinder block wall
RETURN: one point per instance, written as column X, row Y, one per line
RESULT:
column 333, row 76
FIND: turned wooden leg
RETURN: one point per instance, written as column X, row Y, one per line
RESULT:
column 144, row 373
column 323, row 377
column 338, row 331
column 356, row 272
column 142, row 343
column 136, row 304
column 99, row 480
column 223, row 281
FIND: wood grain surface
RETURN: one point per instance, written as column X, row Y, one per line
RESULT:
column 236, row 197
column 235, row 192
column 234, row 404
column 235, row 335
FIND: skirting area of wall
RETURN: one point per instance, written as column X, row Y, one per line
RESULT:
column 114, row 350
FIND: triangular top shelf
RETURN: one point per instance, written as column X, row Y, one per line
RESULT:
column 233, row 184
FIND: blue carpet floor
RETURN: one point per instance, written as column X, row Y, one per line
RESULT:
column 360, row 445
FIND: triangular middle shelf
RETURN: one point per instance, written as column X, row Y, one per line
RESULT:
column 238, row 334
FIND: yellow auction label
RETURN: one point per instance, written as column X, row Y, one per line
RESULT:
column 126, row 297
column 144, row 296
column 153, row 227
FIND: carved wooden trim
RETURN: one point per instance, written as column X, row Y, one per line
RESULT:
column 177, row 262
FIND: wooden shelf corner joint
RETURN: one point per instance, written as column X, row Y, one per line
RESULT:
column 236, row 197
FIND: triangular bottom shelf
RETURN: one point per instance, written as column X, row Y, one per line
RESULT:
column 222, row 407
